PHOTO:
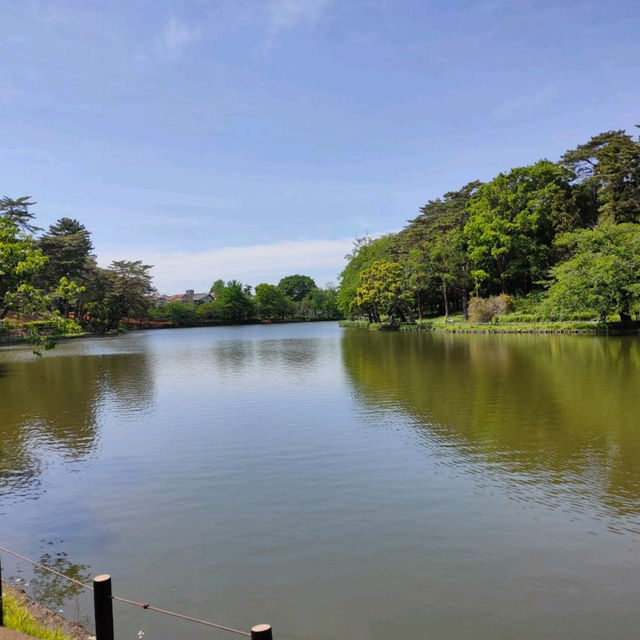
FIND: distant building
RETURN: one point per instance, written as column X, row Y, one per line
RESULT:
column 189, row 297
column 202, row 298
column 156, row 301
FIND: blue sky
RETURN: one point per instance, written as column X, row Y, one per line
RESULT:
column 252, row 139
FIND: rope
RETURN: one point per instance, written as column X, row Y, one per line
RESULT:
column 37, row 564
column 146, row 605
column 142, row 605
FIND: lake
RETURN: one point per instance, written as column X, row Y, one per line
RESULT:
column 335, row 483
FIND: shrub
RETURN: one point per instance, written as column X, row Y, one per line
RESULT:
column 486, row 309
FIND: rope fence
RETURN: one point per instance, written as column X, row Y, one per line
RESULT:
column 103, row 600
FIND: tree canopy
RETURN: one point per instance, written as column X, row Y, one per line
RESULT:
column 271, row 302
column 68, row 247
column 297, row 287
column 20, row 261
column 603, row 272
column 509, row 236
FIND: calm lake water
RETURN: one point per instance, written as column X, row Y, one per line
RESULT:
column 335, row 483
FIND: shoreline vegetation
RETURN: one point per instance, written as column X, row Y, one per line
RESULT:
column 540, row 247
column 459, row 325
column 51, row 287
column 27, row 616
column 549, row 247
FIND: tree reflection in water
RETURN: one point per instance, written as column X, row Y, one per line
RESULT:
column 549, row 413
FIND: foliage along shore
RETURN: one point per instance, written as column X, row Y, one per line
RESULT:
column 18, row 336
column 449, row 325
column 547, row 242
column 52, row 287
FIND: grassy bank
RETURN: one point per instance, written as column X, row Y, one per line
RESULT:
column 504, row 324
column 18, row 615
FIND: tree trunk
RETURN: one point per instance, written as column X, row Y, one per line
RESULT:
column 409, row 313
column 465, row 306
column 445, row 298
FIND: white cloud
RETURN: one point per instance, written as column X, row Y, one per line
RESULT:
column 175, row 36
column 180, row 270
column 284, row 15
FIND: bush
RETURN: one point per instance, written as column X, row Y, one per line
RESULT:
column 54, row 326
column 486, row 309
column 179, row 313
column 529, row 304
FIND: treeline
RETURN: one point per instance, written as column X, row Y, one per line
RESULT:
column 50, row 283
column 295, row 297
column 553, row 240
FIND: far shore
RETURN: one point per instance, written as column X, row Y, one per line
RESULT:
column 9, row 340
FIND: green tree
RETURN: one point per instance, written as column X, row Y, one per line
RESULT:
column 434, row 250
column 67, row 245
column 324, row 303
column 603, row 272
column 365, row 252
column 217, row 287
column 17, row 211
column 446, row 262
column 297, row 287
column 178, row 313
column 20, row 261
column 512, row 222
column 271, row 302
column 232, row 304
column 382, row 291
column 608, row 169
column 121, row 291
column 68, row 292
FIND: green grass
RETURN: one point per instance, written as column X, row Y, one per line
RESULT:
column 502, row 324
column 17, row 616
column 457, row 324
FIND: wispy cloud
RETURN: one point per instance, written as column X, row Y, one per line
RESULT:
column 175, row 36
column 525, row 104
column 285, row 15
column 179, row 270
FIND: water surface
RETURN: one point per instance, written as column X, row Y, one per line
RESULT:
column 338, row 484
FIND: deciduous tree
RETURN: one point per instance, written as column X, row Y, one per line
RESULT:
column 20, row 261
column 297, row 286
column 603, row 273
column 512, row 222
column 271, row 302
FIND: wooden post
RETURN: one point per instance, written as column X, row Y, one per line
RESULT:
column 103, row 607
column 1, row 605
column 261, row 632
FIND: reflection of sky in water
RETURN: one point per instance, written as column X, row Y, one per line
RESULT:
column 337, row 484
